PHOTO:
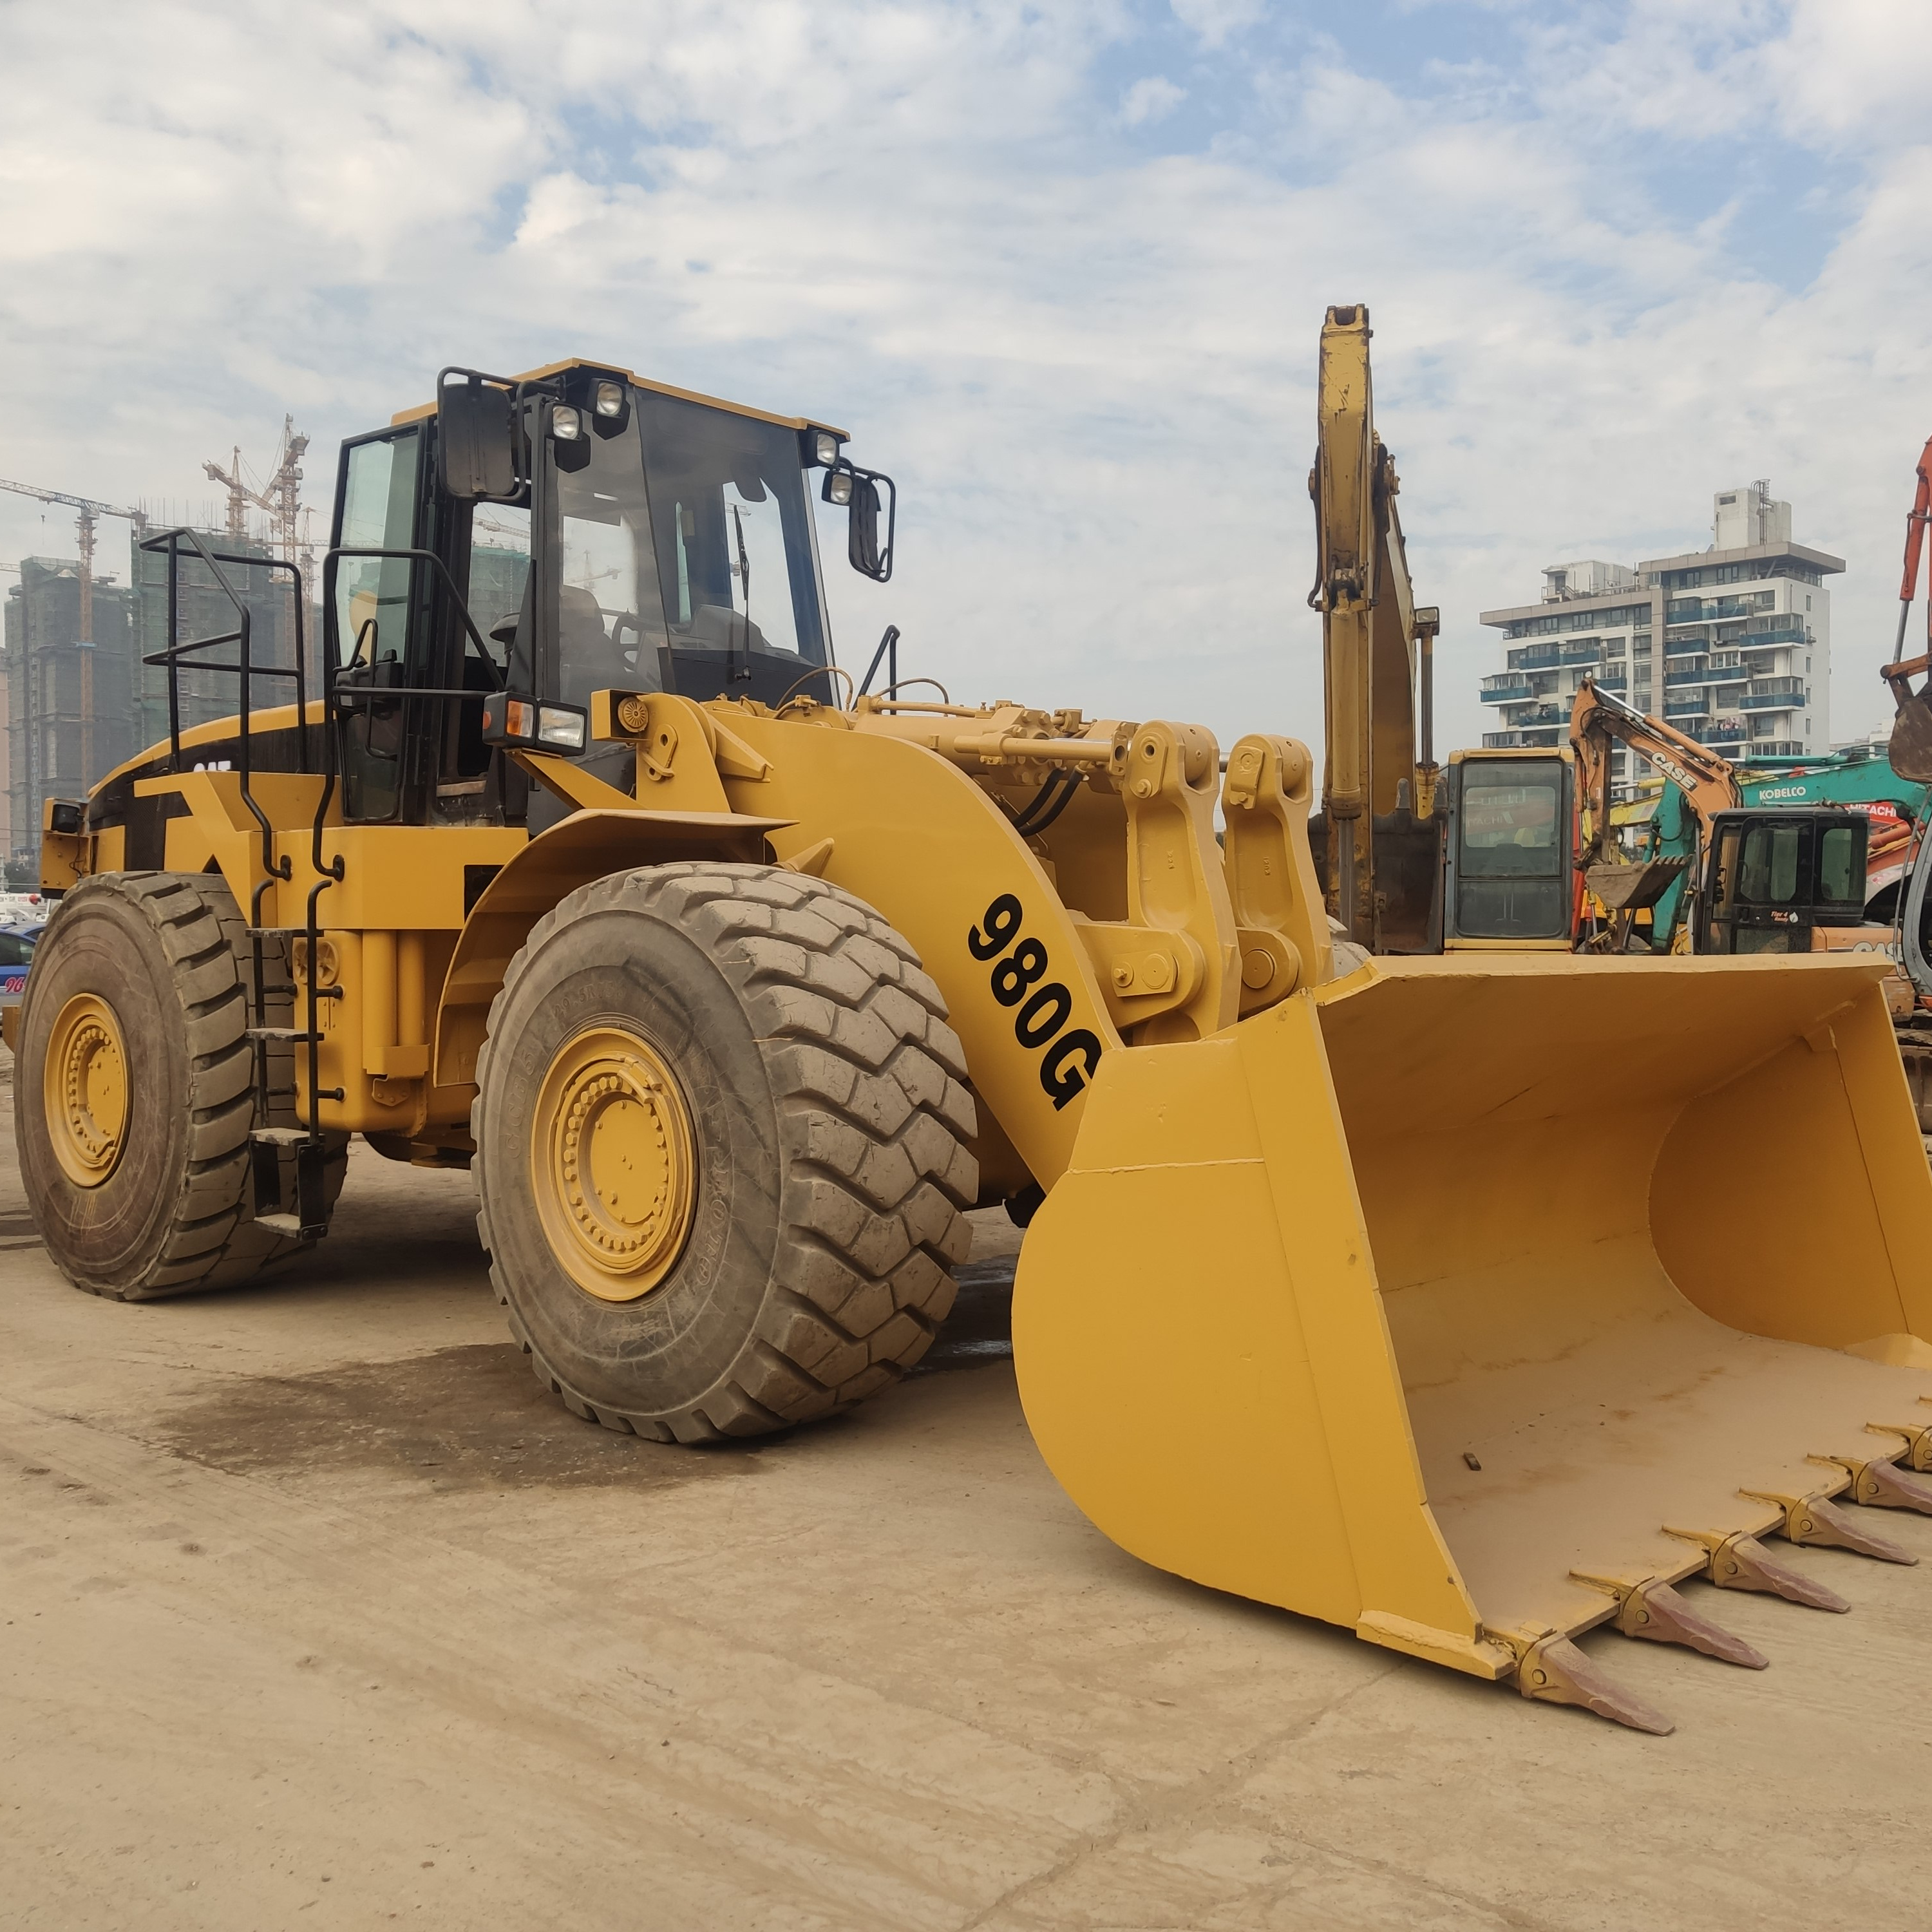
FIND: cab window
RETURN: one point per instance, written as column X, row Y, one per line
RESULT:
column 732, row 524
column 1841, row 879
column 372, row 594
column 611, row 625
column 1768, row 871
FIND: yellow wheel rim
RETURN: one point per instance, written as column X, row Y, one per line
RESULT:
column 86, row 1088
column 613, row 1163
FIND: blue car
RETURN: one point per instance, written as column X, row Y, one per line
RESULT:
column 16, row 955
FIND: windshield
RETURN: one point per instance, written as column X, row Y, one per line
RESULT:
column 1511, row 825
column 610, row 625
column 731, row 524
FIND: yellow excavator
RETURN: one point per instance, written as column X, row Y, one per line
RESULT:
column 1415, row 858
column 735, row 987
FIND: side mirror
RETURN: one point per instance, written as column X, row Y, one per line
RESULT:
column 476, row 438
column 859, row 491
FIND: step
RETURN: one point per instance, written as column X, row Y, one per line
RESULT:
column 290, row 1225
column 279, row 1136
column 285, row 1034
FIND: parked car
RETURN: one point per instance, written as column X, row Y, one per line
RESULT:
column 16, row 955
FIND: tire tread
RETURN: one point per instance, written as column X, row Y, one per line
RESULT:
column 874, row 1120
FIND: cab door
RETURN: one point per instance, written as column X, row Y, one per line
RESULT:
column 376, row 627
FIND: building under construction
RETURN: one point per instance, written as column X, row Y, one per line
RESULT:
column 80, row 700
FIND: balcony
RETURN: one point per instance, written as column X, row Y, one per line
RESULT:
column 1723, row 734
column 1581, row 654
column 1688, row 707
column 1540, row 714
column 1672, row 679
column 1537, row 657
column 1771, row 700
column 1732, row 673
column 1520, row 741
column 1789, row 634
column 1507, row 688
column 1695, row 639
column 1613, row 680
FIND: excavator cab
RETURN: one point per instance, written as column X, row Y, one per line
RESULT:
column 1509, row 853
column 1774, row 880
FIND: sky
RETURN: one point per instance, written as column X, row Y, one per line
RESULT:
column 1060, row 269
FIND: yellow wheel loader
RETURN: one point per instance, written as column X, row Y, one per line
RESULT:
column 735, row 986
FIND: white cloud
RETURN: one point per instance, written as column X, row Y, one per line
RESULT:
column 1090, row 369
column 1150, row 99
column 1216, row 21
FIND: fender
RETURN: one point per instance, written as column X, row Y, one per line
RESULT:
column 583, row 846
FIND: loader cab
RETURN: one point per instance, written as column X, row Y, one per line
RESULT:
column 1509, row 853
column 556, row 534
column 1774, row 879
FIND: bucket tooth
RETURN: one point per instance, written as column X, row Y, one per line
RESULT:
column 1652, row 1608
column 1554, row 1671
column 1739, row 1562
column 1881, row 1484
column 1917, row 1438
column 1811, row 1519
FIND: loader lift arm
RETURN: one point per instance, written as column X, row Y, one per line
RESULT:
column 1378, row 787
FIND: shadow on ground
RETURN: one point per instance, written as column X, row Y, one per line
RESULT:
column 474, row 1416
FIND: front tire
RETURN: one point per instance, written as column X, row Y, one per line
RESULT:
column 721, row 1163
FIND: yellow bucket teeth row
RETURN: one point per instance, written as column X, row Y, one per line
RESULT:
column 1551, row 1669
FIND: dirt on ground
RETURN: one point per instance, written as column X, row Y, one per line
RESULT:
column 316, row 1610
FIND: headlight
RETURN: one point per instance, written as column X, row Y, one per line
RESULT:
column 609, row 399
column 565, row 729
column 567, row 424
column 824, row 448
column 839, row 487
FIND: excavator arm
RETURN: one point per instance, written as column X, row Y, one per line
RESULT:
column 1911, row 746
column 1378, row 787
column 1598, row 720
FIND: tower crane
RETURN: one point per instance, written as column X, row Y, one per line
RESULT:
column 280, row 499
column 91, row 512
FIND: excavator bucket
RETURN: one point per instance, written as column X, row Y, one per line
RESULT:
column 1909, row 748
column 1474, row 1304
column 1624, row 887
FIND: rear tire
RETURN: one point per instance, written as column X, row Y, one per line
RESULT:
column 137, row 997
column 787, row 1173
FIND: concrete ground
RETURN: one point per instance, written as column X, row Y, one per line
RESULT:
column 315, row 1611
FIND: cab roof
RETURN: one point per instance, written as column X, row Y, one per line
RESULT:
column 425, row 409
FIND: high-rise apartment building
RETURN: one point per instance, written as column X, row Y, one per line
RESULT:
column 1731, row 645
column 75, row 710
column 70, row 704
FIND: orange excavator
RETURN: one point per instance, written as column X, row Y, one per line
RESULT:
column 1763, row 879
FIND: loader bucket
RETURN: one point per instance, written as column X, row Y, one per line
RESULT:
column 1469, row 1304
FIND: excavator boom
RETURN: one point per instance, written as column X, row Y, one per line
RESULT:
column 1378, row 787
